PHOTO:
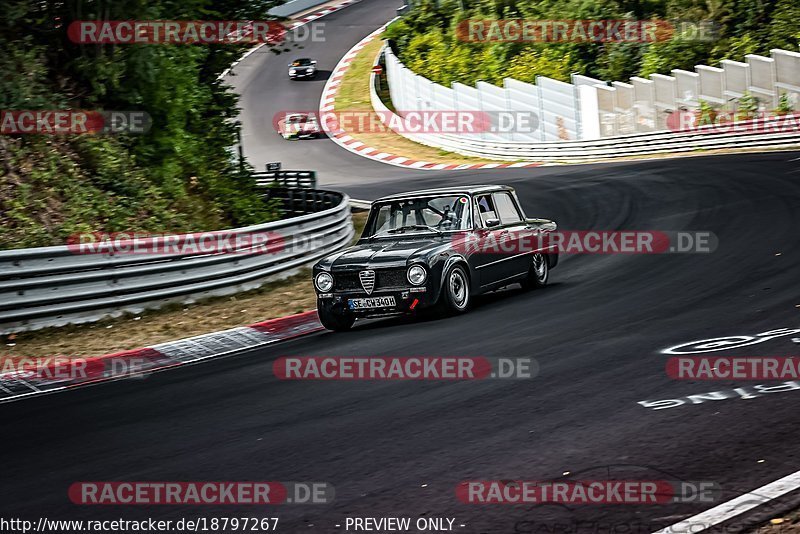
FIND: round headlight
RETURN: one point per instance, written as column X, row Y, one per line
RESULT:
column 416, row 275
column 324, row 282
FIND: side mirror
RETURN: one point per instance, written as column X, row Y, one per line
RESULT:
column 314, row 62
column 492, row 222
column 289, row 65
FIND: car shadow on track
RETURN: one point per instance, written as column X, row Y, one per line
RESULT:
column 482, row 302
column 322, row 76
column 320, row 135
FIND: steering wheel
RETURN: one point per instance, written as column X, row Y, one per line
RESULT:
column 449, row 219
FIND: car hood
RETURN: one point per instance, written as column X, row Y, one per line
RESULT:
column 385, row 253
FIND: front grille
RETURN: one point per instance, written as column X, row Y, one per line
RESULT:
column 384, row 278
column 391, row 278
column 346, row 281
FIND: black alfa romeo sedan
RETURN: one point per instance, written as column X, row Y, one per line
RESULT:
column 434, row 248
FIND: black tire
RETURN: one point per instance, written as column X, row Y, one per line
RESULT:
column 338, row 322
column 539, row 272
column 455, row 297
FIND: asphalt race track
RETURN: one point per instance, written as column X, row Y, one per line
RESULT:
column 399, row 448
column 266, row 90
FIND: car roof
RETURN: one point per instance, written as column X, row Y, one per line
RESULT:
column 465, row 190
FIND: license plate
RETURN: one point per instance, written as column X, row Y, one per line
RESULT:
column 372, row 302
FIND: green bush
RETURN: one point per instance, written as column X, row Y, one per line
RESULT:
column 180, row 176
column 747, row 106
column 427, row 40
column 784, row 104
column 706, row 114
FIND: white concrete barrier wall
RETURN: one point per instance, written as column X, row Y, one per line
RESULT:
column 787, row 74
column 636, row 144
column 566, row 112
column 762, row 80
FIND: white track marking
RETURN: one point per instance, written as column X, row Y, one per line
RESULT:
column 34, row 388
column 735, row 507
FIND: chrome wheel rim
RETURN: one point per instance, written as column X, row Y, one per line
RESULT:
column 540, row 267
column 458, row 289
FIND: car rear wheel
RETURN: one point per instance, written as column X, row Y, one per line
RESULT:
column 338, row 322
column 538, row 274
column 455, row 296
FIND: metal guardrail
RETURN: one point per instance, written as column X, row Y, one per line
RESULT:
column 304, row 179
column 55, row 286
column 638, row 144
column 623, row 146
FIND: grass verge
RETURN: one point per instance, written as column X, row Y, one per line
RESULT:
column 353, row 95
column 277, row 299
column 786, row 524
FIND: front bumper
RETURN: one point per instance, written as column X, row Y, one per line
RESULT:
column 407, row 300
column 302, row 74
column 300, row 135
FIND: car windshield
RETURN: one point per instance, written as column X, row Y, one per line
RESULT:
column 293, row 119
column 301, row 62
column 419, row 214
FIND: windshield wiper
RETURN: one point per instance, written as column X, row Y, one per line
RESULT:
column 402, row 229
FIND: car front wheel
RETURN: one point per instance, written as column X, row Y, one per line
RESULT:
column 338, row 322
column 538, row 274
column 455, row 296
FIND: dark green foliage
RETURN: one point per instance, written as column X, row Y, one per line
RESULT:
column 182, row 175
column 428, row 43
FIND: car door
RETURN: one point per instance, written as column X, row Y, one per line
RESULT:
column 516, row 256
column 492, row 252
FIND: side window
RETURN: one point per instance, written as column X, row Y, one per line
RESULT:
column 486, row 208
column 506, row 208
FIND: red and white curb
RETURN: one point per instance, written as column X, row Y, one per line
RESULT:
column 292, row 26
column 66, row 375
column 322, row 12
column 348, row 142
